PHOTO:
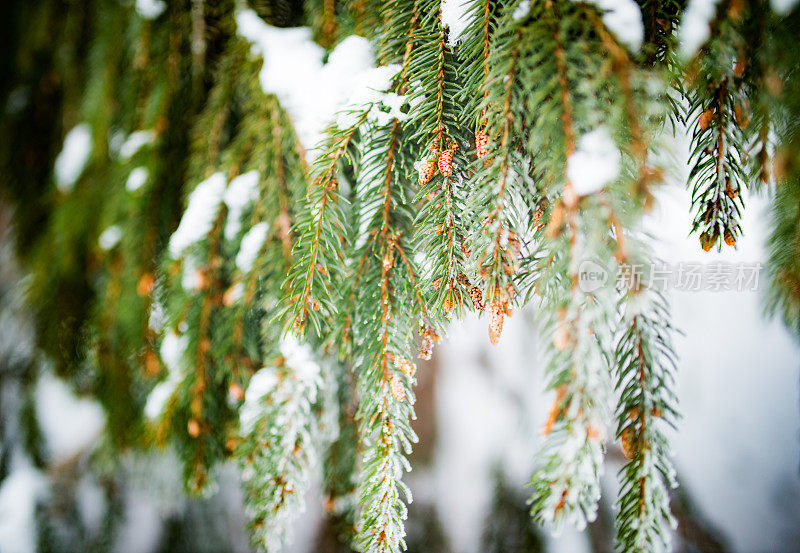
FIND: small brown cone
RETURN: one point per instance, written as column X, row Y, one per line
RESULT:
column 427, row 171
column 145, row 285
column 496, row 314
column 628, row 442
column 705, row 118
column 446, row 162
column 729, row 238
column 398, row 392
column 151, row 364
column 482, row 145
column 404, row 365
column 476, row 296
column 193, row 427
column 707, row 241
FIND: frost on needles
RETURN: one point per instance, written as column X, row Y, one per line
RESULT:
column 281, row 220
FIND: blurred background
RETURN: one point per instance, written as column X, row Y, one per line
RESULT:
column 480, row 408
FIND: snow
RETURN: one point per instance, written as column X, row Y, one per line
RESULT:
column 110, row 237
column 74, row 155
column 91, row 502
column 136, row 179
column 310, row 91
column 783, row 7
column 143, row 529
column 624, row 19
column 150, row 9
column 300, row 366
column 241, row 191
column 19, row 493
column 455, row 18
column 70, row 425
column 191, row 278
column 522, row 9
column 595, row 163
column 368, row 92
column 251, row 244
column 298, row 358
column 158, row 398
column 263, row 382
column 695, row 26
column 135, row 142
column 173, row 347
column 200, row 213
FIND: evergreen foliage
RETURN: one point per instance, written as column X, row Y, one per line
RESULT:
column 223, row 290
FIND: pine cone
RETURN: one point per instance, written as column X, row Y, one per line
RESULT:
column 427, row 171
column 708, row 239
column 729, row 238
column 481, row 143
column 496, row 313
column 398, row 392
column 628, row 442
column 403, row 364
column 446, row 162
column 476, row 296
column 705, row 118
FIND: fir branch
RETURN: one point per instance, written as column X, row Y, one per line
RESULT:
column 320, row 229
column 384, row 373
column 645, row 364
column 281, row 437
column 718, row 111
column 494, row 243
column 783, row 268
column 434, row 124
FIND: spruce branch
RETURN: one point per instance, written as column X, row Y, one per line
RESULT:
column 281, row 436
column 645, row 362
column 434, row 127
column 718, row 113
column 645, row 366
column 385, row 374
column 320, row 228
column 494, row 242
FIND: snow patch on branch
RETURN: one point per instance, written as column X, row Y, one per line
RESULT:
column 783, row 7
column 251, row 245
column 455, row 18
column 150, row 9
column 110, row 237
column 369, row 90
column 522, row 9
column 696, row 26
column 262, row 383
column 74, row 155
column 173, row 348
column 136, row 179
column 312, row 92
column 241, row 191
column 70, row 424
column 135, row 142
column 197, row 220
column 595, row 163
column 624, row 19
